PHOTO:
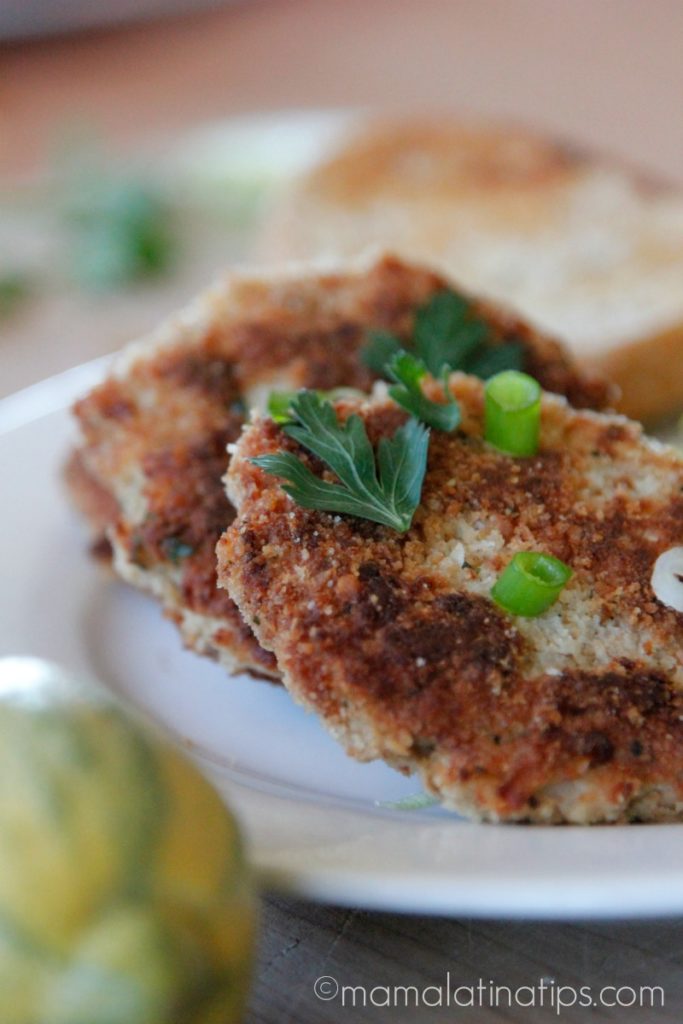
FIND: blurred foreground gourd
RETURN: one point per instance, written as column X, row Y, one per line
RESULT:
column 124, row 896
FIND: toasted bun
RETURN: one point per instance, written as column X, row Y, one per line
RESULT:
column 583, row 247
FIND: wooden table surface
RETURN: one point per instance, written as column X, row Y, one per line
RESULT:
column 303, row 942
column 606, row 72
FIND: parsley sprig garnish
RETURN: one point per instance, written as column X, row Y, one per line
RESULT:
column 380, row 350
column 447, row 333
column 409, row 373
column 384, row 487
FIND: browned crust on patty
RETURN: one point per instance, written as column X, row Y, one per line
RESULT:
column 93, row 501
column 177, row 451
column 154, row 433
column 394, row 641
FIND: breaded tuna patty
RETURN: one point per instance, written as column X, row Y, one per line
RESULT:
column 154, row 434
column 394, row 641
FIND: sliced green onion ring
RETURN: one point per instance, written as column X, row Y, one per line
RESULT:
column 512, row 412
column 531, row 583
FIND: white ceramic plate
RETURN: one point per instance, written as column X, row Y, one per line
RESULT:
column 309, row 812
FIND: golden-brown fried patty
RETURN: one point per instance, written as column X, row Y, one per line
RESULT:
column 394, row 641
column 154, row 434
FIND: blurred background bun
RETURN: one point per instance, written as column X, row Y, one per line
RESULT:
column 585, row 247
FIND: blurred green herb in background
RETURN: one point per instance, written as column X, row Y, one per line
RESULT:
column 15, row 287
column 121, row 232
column 106, row 225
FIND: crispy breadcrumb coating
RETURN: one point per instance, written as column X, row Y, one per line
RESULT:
column 394, row 641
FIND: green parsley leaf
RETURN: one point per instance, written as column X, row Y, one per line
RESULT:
column 379, row 350
column 496, row 359
column 384, row 488
column 409, row 372
column 444, row 334
column 447, row 334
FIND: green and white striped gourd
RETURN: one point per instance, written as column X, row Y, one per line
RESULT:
column 124, row 895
